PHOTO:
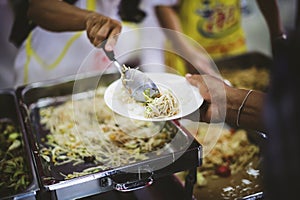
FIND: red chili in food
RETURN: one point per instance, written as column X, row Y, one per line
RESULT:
column 223, row 171
column 232, row 130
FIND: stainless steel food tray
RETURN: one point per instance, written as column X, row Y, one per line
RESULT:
column 250, row 70
column 123, row 178
column 244, row 61
column 9, row 112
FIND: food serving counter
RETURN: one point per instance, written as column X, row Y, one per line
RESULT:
column 74, row 158
column 52, row 174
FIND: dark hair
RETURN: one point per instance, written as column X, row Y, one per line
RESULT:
column 130, row 11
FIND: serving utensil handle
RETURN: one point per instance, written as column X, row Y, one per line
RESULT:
column 111, row 56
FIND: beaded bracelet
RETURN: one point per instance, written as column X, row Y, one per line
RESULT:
column 241, row 107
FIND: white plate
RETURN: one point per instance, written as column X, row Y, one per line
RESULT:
column 117, row 98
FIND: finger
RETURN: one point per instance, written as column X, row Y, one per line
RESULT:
column 92, row 32
column 112, row 39
column 204, row 112
column 195, row 80
column 101, row 34
column 198, row 81
column 92, row 25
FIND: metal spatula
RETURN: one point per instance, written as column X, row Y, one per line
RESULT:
column 136, row 82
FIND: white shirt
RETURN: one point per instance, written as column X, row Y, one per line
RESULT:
column 42, row 61
column 52, row 58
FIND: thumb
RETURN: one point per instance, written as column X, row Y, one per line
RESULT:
column 195, row 79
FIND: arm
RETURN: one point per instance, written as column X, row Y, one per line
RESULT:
column 250, row 114
column 168, row 19
column 55, row 15
column 270, row 11
column 216, row 93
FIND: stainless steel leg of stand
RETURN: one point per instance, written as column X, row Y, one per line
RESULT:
column 190, row 181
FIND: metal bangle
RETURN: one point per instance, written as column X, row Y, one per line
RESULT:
column 241, row 107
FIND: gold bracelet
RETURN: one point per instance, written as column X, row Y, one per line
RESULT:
column 241, row 107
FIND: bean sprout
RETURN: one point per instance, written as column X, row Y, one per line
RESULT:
column 84, row 131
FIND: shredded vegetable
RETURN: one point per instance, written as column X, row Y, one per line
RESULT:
column 165, row 105
column 14, row 172
column 231, row 154
column 85, row 131
column 233, row 149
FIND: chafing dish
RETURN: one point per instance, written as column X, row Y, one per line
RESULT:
column 10, row 114
column 249, row 70
column 183, row 153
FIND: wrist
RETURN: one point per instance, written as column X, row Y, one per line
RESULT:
column 279, row 37
column 235, row 99
column 238, row 116
column 282, row 36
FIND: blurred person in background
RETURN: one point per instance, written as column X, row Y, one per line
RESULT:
column 215, row 25
column 7, row 50
column 54, row 41
column 282, row 114
column 59, row 35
